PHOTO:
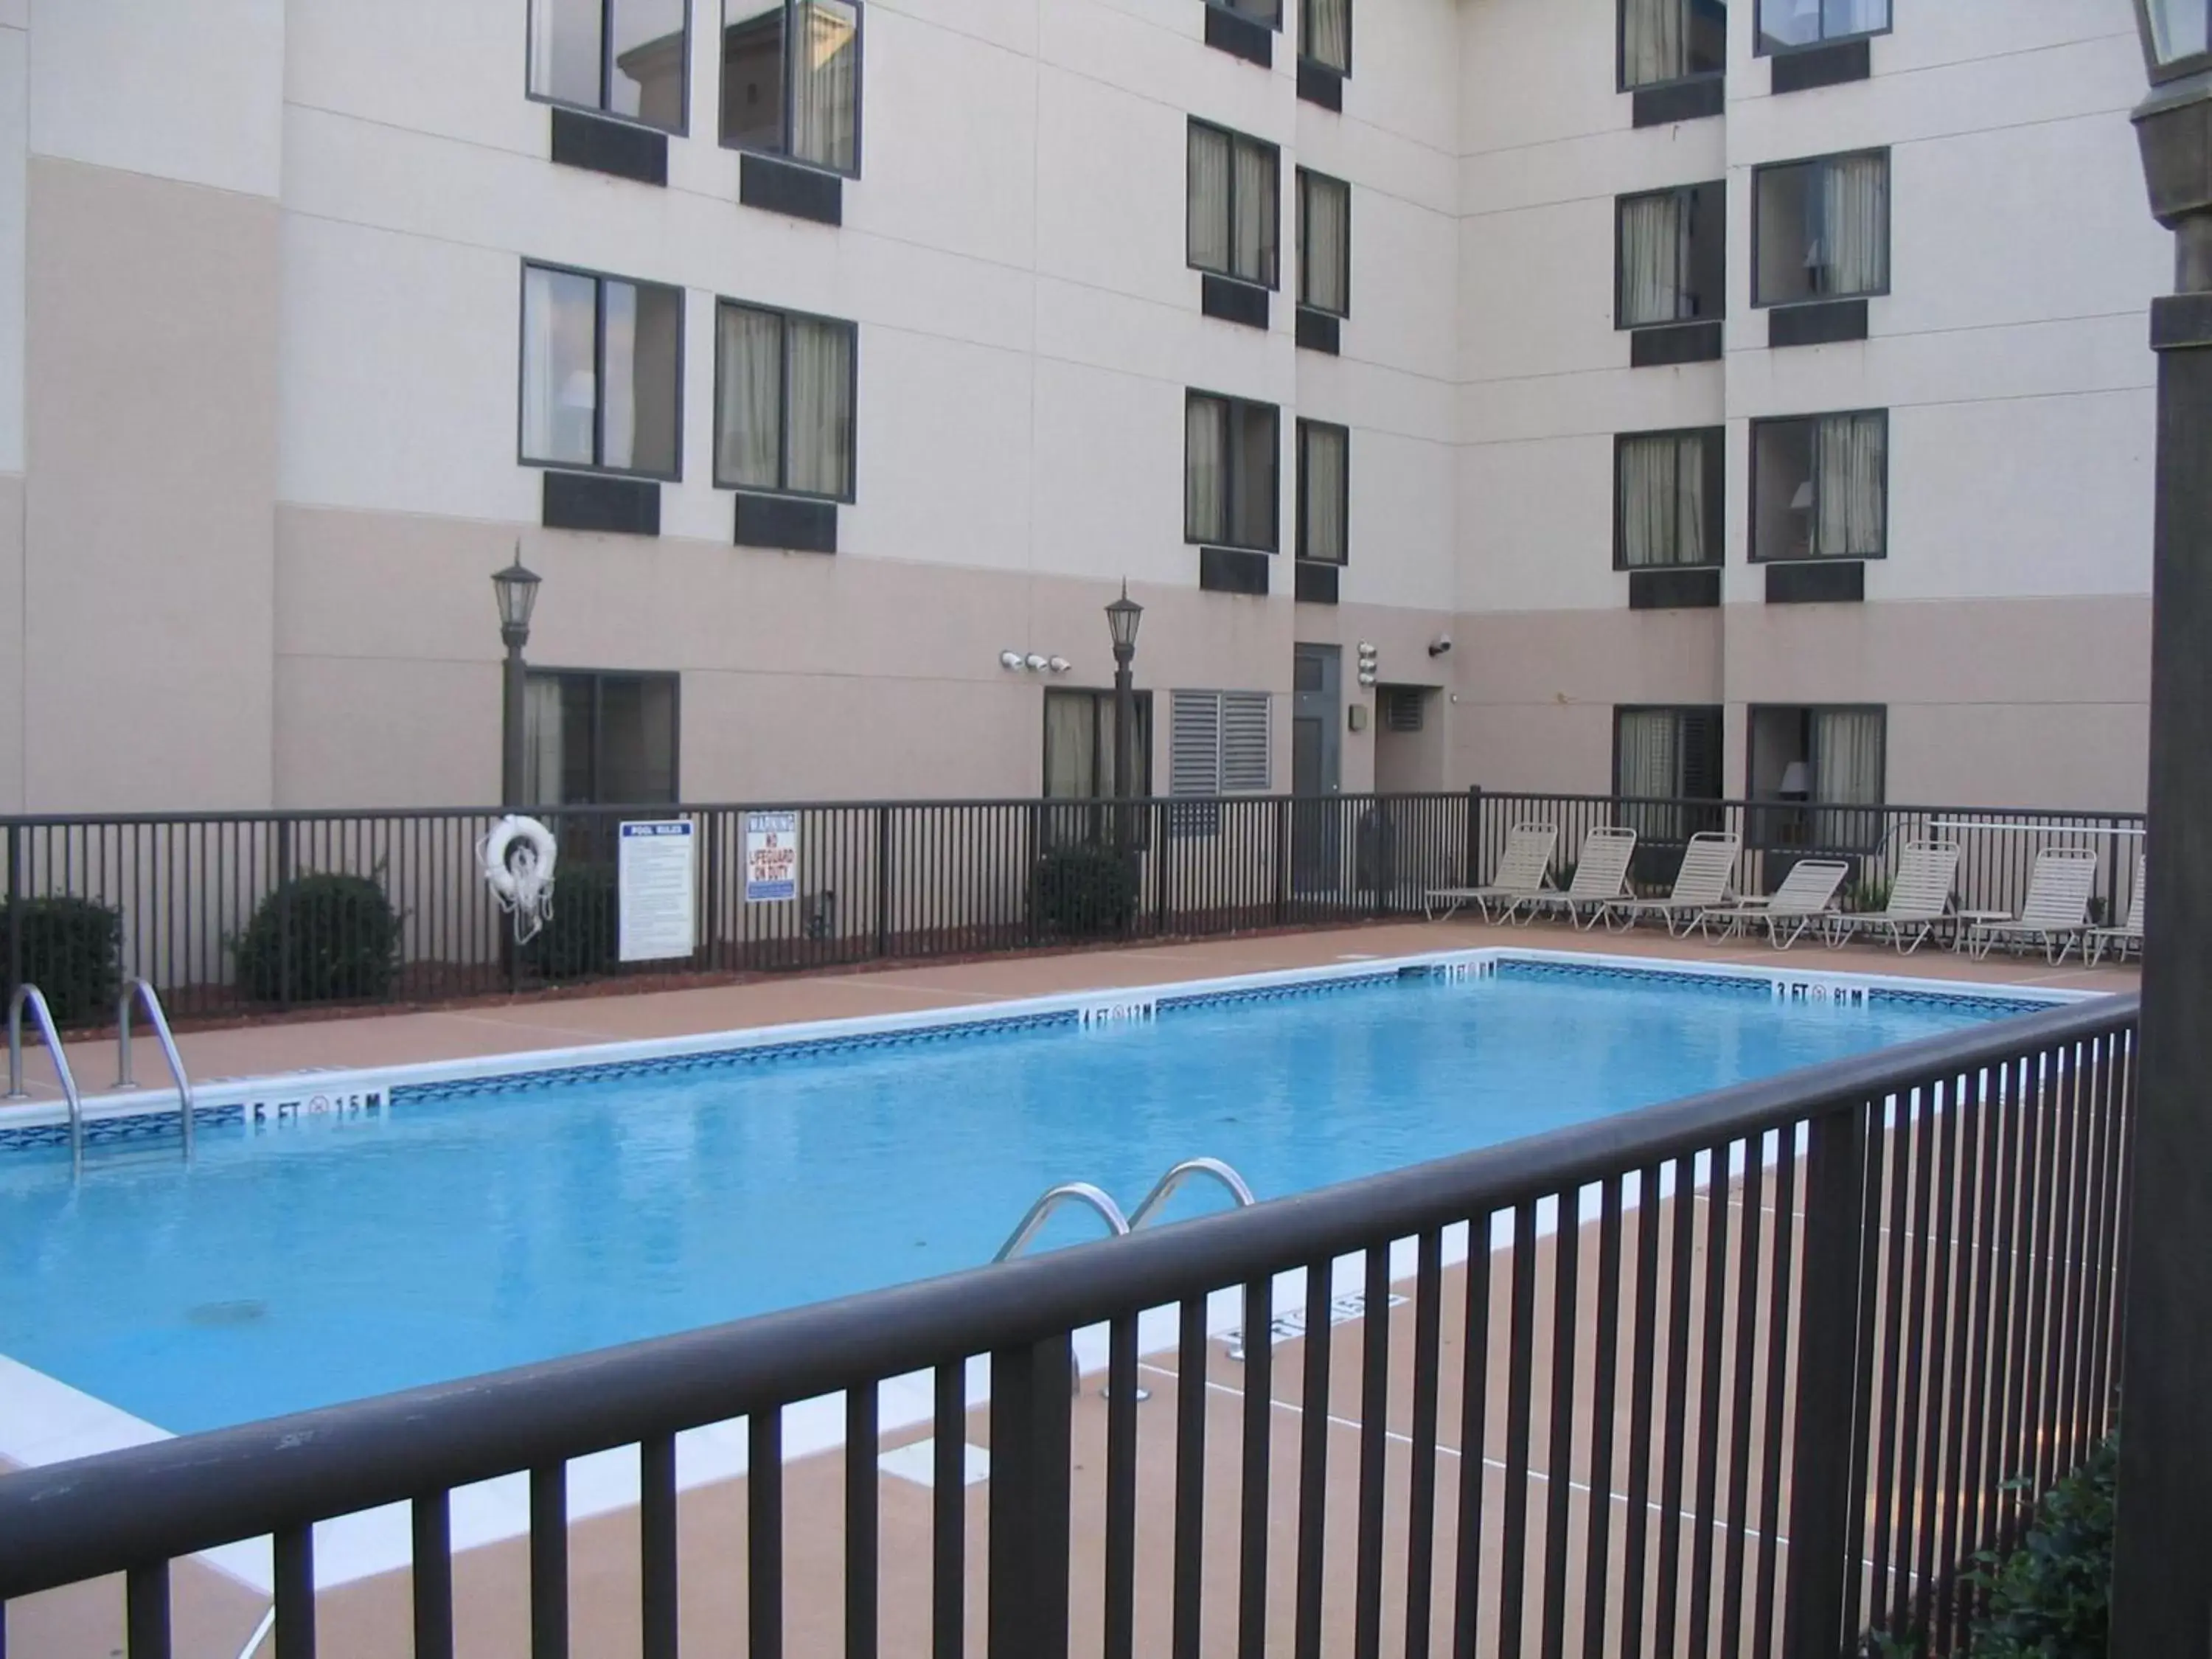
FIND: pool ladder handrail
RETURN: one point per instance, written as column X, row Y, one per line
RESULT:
column 134, row 989
column 1118, row 1224
column 29, row 995
column 1172, row 1182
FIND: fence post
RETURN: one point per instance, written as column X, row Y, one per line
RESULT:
column 883, row 881
column 1164, row 866
column 1473, row 875
column 14, row 906
column 1821, row 1511
column 1027, row 1603
column 1282, row 861
column 284, row 913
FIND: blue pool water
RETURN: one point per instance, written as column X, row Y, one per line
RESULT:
column 322, row 1261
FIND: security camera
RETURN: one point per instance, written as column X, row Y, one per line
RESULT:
column 1440, row 645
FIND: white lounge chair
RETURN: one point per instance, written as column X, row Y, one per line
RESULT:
column 2056, row 914
column 1918, row 898
column 1523, row 871
column 1807, row 896
column 2129, row 936
column 1703, row 882
column 1600, row 877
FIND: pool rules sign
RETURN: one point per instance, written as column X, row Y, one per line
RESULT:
column 771, row 857
column 658, row 874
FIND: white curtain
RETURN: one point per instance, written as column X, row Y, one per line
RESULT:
column 1847, row 765
column 1071, row 758
column 1326, row 207
column 1854, row 229
column 1663, row 501
column 1253, row 234
column 750, row 374
column 1209, row 199
column 1653, row 41
column 541, row 741
column 1329, row 33
column 1326, row 499
column 821, row 437
column 1651, row 764
column 1204, row 469
column 619, row 421
column 825, row 83
column 1652, row 242
column 1849, row 463
column 560, row 392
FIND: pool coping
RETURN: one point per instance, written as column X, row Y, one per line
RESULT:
column 44, row 1420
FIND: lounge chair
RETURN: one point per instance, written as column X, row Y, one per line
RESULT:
column 2128, row 935
column 1600, row 877
column 1523, row 871
column 1806, row 896
column 2056, row 914
column 1702, row 883
column 1918, row 898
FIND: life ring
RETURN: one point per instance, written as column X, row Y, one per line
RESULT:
column 518, row 856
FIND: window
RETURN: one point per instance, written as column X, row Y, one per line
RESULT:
column 2180, row 29
column 791, row 80
column 1820, row 229
column 1786, row 23
column 1230, row 486
column 1324, row 244
column 1663, row 40
column 1269, row 12
column 1236, row 217
column 1669, row 498
column 1324, row 491
column 1666, row 755
column 1818, row 764
column 623, row 57
column 602, row 373
column 1219, row 743
column 1080, row 752
column 1820, row 486
column 1325, row 33
column 1671, row 257
column 600, row 739
column 785, row 387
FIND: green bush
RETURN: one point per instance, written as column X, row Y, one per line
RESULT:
column 71, row 948
column 2051, row 1597
column 344, row 942
column 581, row 939
column 1083, row 890
column 1869, row 895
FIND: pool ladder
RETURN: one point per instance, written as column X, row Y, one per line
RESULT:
column 135, row 990
column 1083, row 1193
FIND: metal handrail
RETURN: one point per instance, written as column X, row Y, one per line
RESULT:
column 1172, row 1182
column 134, row 988
column 28, row 994
column 1073, row 1192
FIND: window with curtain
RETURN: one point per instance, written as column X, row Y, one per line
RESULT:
column 783, row 402
column 594, row 739
column 601, row 373
column 1669, row 498
column 1827, row 770
column 1325, row 33
column 625, row 58
column 1671, row 254
column 1234, row 213
column 1324, row 243
column 1666, row 755
column 1231, row 482
column 1324, row 491
column 1821, row 229
column 1820, row 487
column 1783, row 24
column 791, row 80
column 1664, row 40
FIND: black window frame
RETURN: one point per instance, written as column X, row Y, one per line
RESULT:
column 598, row 678
column 1764, row 815
column 1707, row 200
column 1343, row 507
column 1274, row 22
column 1762, row 48
column 1351, row 37
column 1239, row 409
column 788, row 316
column 1888, row 225
column 1751, row 457
column 1274, row 282
column 785, row 153
column 1100, row 698
column 600, row 279
column 602, row 109
column 1622, row 84
column 1714, row 439
column 1716, row 744
column 1304, row 176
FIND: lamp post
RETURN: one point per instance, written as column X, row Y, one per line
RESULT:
column 2162, row 1595
column 1121, row 619
column 516, row 589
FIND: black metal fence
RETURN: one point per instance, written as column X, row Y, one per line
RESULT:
column 229, row 915
column 1747, row 1375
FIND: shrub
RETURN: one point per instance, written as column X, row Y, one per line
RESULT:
column 581, row 939
column 343, row 941
column 1083, row 890
column 71, row 948
column 1868, row 895
column 2051, row 1597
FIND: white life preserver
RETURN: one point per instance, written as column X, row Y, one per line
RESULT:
column 518, row 858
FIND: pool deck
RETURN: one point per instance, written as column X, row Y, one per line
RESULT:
column 217, row 1613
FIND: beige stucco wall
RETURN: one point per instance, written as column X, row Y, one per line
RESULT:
column 13, row 631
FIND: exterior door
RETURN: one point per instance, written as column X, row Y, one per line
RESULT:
column 1316, row 757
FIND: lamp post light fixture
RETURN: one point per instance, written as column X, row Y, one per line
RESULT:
column 516, row 589
column 1122, row 617
column 2162, row 1595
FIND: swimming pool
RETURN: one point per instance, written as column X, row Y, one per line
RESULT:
column 462, row 1226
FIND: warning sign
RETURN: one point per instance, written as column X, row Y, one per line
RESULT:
column 771, row 857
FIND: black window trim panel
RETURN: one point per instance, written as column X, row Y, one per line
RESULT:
column 600, row 144
column 1233, row 570
column 1831, row 63
column 794, row 524
column 603, row 503
column 776, row 184
column 1240, row 36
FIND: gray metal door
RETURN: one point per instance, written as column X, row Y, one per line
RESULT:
column 1316, row 761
